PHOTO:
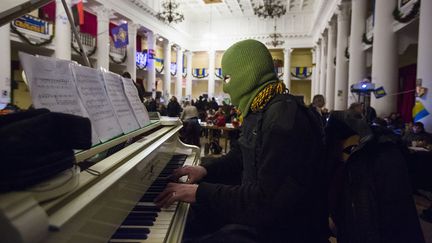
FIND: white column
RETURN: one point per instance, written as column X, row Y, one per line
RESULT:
column 313, row 77
column 424, row 59
column 357, row 62
column 211, row 71
column 323, row 68
column 102, row 55
column 167, row 70
column 151, row 71
column 341, row 85
column 131, row 50
column 287, row 68
column 330, row 78
column 179, row 75
column 5, row 65
column 189, row 56
column 385, row 57
column 62, row 39
column 317, row 67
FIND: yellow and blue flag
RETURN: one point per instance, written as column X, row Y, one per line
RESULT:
column 419, row 111
column 379, row 92
column 120, row 35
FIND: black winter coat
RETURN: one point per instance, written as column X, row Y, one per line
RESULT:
column 278, row 171
column 377, row 205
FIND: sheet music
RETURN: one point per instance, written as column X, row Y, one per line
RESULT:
column 114, row 88
column 137, row 106
column 95, row 100
column 51, row 85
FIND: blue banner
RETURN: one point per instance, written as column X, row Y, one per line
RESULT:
column 120, row 35
column 33, row 24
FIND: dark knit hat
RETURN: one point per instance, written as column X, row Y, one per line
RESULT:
column 249, row 65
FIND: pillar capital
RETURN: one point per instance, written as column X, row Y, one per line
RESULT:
column 133, row 28
column 288, row 50
column 343, row 12
column 103, row 13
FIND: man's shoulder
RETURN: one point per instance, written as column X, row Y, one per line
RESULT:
column 281, row 112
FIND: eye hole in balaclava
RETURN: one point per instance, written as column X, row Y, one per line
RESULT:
column 227, row 78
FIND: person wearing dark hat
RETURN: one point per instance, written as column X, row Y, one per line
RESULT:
column 370, row 197
column 270, row 187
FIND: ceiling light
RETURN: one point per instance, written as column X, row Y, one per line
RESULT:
column 270, row 9
column 169, row 13
column 275, row 39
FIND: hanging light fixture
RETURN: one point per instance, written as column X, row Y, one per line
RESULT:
column 270, row 9
column 275, row 39
column 170, row 13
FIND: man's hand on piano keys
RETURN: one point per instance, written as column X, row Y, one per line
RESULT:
column 176, row 192
column 194, row 173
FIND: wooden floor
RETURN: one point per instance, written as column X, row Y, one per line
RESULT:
column 421, row 202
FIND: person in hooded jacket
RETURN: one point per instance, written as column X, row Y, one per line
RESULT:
column 270, row 187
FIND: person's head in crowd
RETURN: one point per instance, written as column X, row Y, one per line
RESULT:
column 126, row 75
column 393, row 116
column 356, row 108
column 418, row 127
column 247, row 69
column 318, row 101
column 173, row 99
column 187, row 103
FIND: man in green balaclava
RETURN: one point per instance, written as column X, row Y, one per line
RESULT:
column 270, row 187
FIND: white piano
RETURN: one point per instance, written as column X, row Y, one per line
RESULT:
column 109, row 202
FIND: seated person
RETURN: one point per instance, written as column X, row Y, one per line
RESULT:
column 417, row 136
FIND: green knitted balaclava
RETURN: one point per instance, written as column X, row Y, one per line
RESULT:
column 249, row 65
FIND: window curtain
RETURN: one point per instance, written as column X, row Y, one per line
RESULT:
column 407, row 85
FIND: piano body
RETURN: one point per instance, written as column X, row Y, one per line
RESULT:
column 111, row 201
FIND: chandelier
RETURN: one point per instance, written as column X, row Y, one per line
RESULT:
column 275, row 39
column 270, row 9
column 169, row 13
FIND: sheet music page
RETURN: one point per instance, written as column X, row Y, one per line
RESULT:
column 114, row 88
column 137, row 106
column 95, row 100
column 51, row 85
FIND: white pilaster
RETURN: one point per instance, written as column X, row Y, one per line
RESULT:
column 317, row 68
column 131, row 50
column 167, row 71
column 385, row 57
column 323, row 68
column 102, row 55
column 189, row 56
column 287, row 68
column 424, row 59
column 341, row 85
column 330, row 78
column 62, row 39
column 179, row 75
column 357, row 62
column 313, row 77
column 5, row 65
column 211, row 71
column 151, row 71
